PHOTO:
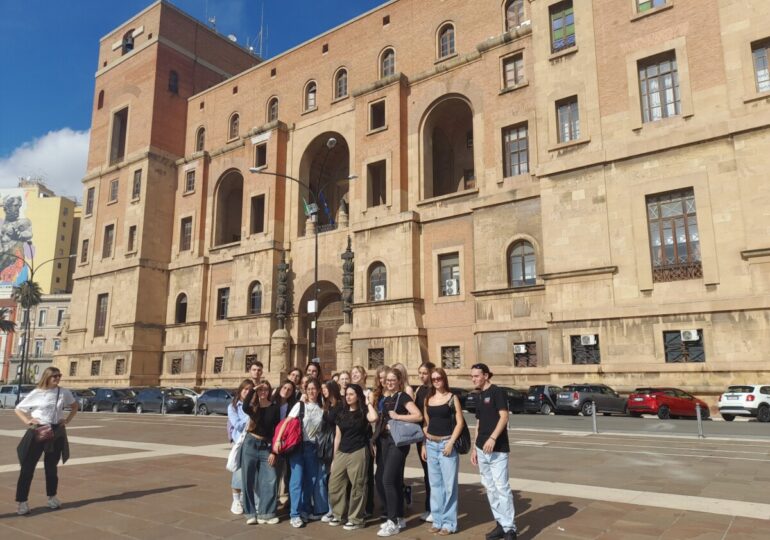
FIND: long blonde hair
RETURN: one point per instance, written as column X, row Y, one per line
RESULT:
column 46, row 376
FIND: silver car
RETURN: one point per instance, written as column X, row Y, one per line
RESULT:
column 582, row 398
column 8, row 393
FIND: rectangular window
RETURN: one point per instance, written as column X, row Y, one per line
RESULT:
column 449, row 274
column 185, row 234
column 131, row 239
column 562, row 26
column 56, row 345
column 684, row 346
column 96, row 368
column 59, row 317
column 136, row 188
column 42, row 317
column 90, row 201
column 515, row 150
column 109, row 239
column 513, row 70
column 114, row 188
column 100, row 324
column 176, row 366
column 450, row 358
column 525, row 354
column 257, row 214
column 646, row 5
column 218, row 363
column 260, row 155
column 376, row 358
column 189, row 182
column 73, row 369
column 760, row 52
column 659, row 87
column 568, row 119
column 674, row 237
column 39, row 345
column 120, row 366
column 377, row 115
column 84, row 251
column 585, row 349
column 250, row 359
column 223, row 298
column 118, row 142
column 375, row 177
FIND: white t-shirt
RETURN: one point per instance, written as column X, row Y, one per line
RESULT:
column 311, row 423
column 42, row 405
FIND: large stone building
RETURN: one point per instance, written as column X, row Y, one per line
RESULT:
column 565, row 190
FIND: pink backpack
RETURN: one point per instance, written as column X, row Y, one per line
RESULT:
column 292, row 435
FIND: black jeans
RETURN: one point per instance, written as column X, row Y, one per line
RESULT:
column 27, row 472
column 425, row 479
column 393, row 461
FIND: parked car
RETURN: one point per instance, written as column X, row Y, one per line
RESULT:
column 582, row 398
column 85, row 398
column 214, row 400
column 516, row 399
column 542, row 398
column 665, row 402
column 189, row 392
column 163, row 400
column 461, row 393
column 8, row 393
column 114, row 399
column 746, row 400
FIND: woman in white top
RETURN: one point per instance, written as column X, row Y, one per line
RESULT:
column 307, row 489
column 44, row 406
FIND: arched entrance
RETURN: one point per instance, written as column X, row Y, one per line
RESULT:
column 229, row 208
column 330, row 319
column 326, row 170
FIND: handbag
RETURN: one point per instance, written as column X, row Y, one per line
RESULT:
column 405, row 433
column 44, row 433
column 292, row 434
column 325, row 441
column 234, row 457
column 463, row 442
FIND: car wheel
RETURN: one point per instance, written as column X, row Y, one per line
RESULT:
column 545, row 408
column 202, row 409
column 763, row 414
column 587, row 409
column 94, row 408
column 664, row 413
column 728, row 417
column 139, row 408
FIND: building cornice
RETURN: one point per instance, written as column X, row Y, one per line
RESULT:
column 580, row 273
column 509, row 290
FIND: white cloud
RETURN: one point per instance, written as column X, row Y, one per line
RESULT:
column 58, row 157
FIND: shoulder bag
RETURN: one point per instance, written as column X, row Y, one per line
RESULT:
column 292, row 435
column 463, row 442
column 405, row 433
column 44, row 433
column 234, row 458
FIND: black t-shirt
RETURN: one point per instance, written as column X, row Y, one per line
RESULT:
column 491, row 402
column 265, row 418
column 389, row 403
column 354, row 429
column 421, row 396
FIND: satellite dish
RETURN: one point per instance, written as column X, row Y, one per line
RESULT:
column 232, row 38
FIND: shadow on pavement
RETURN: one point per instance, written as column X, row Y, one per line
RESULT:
column 531, row 523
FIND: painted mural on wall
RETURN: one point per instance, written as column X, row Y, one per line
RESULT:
column 15, row 237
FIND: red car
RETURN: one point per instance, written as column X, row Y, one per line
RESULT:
column 665, row 402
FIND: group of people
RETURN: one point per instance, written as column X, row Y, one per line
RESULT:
column 348, row 451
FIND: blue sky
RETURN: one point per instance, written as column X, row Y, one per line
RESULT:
column 48, row 57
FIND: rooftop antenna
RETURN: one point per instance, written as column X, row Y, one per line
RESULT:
column 261, row 30
column 212, row 21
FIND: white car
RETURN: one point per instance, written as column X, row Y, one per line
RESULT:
column 188, row 392
column 746, row 400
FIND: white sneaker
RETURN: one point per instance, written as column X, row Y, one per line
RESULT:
column 251, row 521
column 390, row 529
column 236, row 508
column 327, row 518
column 401, row 523
column 334, row 522
column 350, row 526
column 54, row 503
column 427, row 517
column 23, row 508
column 272, row 521
column 297, row 522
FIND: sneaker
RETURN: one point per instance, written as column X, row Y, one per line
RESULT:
column 510, row 535
column 350, row 526
column 251, row 521
column 53, row 503
column 297, row 522
column 335, row 522
column 236, row 508
column 497, row 533
column 408, row 495
column 427, row 517
column 313, row 517
column 270, row 521
column 327, row 518
column 434, row 530
column 23, row 508
column 390, row 529
column 401, row 523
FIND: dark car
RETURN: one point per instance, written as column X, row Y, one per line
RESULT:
column 462, row 395
column 582, row 398
column 113, row 399
column 541, row 398
column 214, row 400
column 516, row 399
column 163, row 400
column 85, row 398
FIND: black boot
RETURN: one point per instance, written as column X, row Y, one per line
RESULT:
column 497, row 533
column 510, row 535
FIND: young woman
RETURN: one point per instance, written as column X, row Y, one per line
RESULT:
column 295, row 376
column 376, row 397
column 358, row 376
column 343, row 380
column 313, row 371
column 442, row 409
column 307, row 488
column 424, row 372
column 44, row 406
column 351, row 458
column 237, row 420
column 258, row 459
column 396, row 406
column 404, row 378
column 332, row 405
column 285, row 397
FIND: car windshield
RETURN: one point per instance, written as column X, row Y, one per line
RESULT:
column 124, row 393
column 646, row 390
column 741, row 389
column 85, row 393
column 175, row 393
column 535, row 389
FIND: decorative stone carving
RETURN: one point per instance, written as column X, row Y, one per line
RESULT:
column 282, row 292
column 347, row 283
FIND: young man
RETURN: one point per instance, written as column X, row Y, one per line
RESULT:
column 490, row 452
column 425, row 371
column 255, row 373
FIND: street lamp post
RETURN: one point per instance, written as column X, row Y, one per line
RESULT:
column 313, row 214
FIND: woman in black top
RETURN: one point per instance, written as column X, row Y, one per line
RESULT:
column 257, row 458
column 351, row 459
column 398, row 405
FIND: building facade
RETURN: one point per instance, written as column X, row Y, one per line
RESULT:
column 566, row 191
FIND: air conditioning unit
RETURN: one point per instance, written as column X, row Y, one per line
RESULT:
column 689, row 335
column 588, row 339
column 451, row 287
column 520, row 349
column 379, row 293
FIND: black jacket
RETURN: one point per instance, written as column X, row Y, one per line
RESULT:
column 59, row 439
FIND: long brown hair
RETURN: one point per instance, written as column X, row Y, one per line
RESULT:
column 334, row 395
column 46, row 376
column 237, row 399
column 378, row 388
column 399, row 375
column 444, row 379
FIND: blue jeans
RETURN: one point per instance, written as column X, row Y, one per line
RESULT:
column 494, row 477
column 307, row 485
column 258, row 476
column 442, row 473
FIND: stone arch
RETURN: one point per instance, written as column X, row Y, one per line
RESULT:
column 228, row 208
column 509, row 245
column 330, row 318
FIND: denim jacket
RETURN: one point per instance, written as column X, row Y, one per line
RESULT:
column 237, row 420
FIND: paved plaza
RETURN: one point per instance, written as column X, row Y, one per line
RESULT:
column 152, row 476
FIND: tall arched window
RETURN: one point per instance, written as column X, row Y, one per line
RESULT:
column 128, row 42
column 200, row 139
column 522, row 266
column 446, row 41
column 387, row 63
column 310, row 96
column 180, row 315
column 272, row 110
column 255, row 298
column 100, row 100
column 341, row 84
column 173, row 82
column 378, row 282
column 514, row 13
column 232, row 132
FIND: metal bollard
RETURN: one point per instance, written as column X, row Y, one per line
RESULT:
column 700, row 421
column 593, row 416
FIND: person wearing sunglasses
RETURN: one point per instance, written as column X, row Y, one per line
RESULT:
column 42, row 411
column 424, row 372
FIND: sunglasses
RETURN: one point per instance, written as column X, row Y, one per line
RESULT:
column 434, row 379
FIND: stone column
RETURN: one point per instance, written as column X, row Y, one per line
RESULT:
column 280, row 340
column 279, row 352
column 344, row 344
